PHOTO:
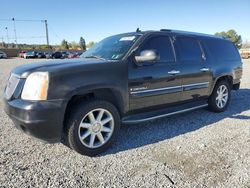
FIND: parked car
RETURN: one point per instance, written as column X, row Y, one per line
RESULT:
column 74, row 55
column 127, row 78
column 56, row 55
column 41, row 55
column 48, row 55
column 3, row 55
column 32, row 54
column 64, row 55
column 21, row 54
column 245, row 53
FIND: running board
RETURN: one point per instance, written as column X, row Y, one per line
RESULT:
column 138, row 118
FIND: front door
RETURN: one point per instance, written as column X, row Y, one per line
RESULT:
column 156, row 83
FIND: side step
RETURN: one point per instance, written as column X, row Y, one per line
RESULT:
column 147, row 116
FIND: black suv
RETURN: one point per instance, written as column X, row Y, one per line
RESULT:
column 123, row 79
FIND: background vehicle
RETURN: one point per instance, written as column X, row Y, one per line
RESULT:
column 127, row 78
column 74, row 55
column 21, row 54
column 3, row 55
column 245, row 53
column 41, row 55
column 32, row 54
column 56, row 55
column 48, row 55
column 65, row 55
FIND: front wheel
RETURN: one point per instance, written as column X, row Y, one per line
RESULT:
column 220, row 97
column 93, row 127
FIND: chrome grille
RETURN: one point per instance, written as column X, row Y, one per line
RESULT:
column 11, row 86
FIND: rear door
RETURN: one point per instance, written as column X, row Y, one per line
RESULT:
column 157, row 83
column 195, row 70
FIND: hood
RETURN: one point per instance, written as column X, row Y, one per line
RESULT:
column 24, row 70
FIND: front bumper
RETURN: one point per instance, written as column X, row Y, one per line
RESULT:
column 43, row 119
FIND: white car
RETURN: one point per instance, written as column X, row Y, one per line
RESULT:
column 2, row 55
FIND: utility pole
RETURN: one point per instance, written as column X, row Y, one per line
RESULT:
column 13, row 19
column 47, row 32
column 2, row 42
column 7, row 35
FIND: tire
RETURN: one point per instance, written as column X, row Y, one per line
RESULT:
column 213, row 101
column 82, row 124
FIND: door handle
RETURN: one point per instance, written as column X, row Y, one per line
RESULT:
column 174, row 72
column 204, row 69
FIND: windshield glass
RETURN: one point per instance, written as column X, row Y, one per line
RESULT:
column 111, row 48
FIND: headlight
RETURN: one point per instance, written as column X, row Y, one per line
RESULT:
column 36, row 86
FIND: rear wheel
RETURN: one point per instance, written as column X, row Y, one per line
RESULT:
column 220, row 97
column 93, row 127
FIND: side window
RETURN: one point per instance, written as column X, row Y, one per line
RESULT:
column 223, row 49
column 188, row 49
column 162, row 45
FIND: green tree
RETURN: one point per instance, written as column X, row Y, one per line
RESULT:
column 90, row 44
column 82, row 43
column 74, row 45
column 233, row 36
column 64, row 45
column 44, row 47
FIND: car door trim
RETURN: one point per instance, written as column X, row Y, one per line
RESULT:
column 167, row 90
column 195, row 86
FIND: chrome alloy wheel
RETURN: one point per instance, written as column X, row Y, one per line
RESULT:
column 222, row 96
column 96, row 128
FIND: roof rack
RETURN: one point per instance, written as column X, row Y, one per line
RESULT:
column 168, row 30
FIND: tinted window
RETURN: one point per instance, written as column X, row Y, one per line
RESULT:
column 112, row 48
column 223, row 49
column 188, row 49
column 163, row 47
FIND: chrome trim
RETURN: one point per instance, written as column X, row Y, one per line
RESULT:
column 174, row 72
column 197, row 84
column 16, row 75
column 204, row 69
column 158, row 89
column 169, row 88
column 164, row 115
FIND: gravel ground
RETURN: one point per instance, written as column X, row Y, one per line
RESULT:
column 196, row 149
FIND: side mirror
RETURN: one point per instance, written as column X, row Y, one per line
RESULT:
column 147, row 56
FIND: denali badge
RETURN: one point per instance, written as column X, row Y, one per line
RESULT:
column 138, row 88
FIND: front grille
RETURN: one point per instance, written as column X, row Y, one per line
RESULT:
column 11, row 86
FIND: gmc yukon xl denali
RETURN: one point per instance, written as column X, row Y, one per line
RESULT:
column 127, row 78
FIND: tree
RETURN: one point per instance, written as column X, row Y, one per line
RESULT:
column 90, row 44
column 233, row 36
column 74, row 45
column 246, row 44
column 82, row 43
column 64, row 45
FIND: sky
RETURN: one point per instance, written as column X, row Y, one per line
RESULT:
column 97, row 19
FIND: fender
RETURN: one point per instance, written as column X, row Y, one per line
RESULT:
column 118, row 92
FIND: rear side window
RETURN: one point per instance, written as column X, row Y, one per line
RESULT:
column 162, row 45
column 188, row 49
column 223, row 50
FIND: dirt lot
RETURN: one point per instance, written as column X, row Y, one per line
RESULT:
column 196, row 149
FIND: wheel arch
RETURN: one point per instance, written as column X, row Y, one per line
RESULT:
column 112, row 95
column 226, row 77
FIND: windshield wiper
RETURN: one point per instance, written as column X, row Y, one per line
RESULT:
column 96, row 57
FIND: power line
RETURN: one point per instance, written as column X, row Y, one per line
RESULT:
column 29, row 20
column 28, row 37
column 18, row 20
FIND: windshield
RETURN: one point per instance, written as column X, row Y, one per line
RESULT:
column 111, row 48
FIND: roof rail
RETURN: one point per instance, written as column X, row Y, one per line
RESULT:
column 168, row 30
